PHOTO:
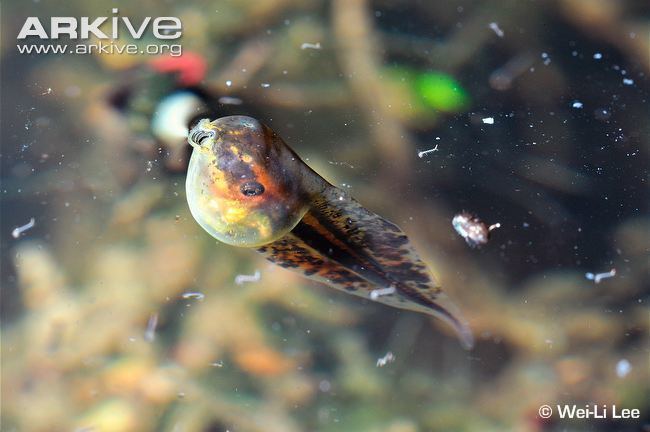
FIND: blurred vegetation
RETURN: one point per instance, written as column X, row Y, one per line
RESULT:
column 101, row 331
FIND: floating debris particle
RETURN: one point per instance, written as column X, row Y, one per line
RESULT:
column 228, row 83
column 546, row 59
column 346, row 164
column 218, row 364
column 602, row 114
column 472, row 229
column 47, row 92
column 425, row 152
column 598, row 56
column 21, row 229
column 307, row 45
column 388, row 358
column 194, row 295
column 228, row 100
column 623, row 367
column 150, row 332
column 265, row 85
column 241, row 279
column 577, row 105
column 496, row 29
column 628, row 81
column 376, row 293
column 488, row 120
column 597, row 277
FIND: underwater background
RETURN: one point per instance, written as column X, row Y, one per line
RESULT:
column 119, row 313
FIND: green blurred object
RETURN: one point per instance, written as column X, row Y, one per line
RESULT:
column 428, row 90
column 441, row 91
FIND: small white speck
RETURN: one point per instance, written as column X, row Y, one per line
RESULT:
column 21, row 229
column 577, row 105
column 241, row 279
column 228, row 83
column 307, row 45
column 150, row 332
column 628, row 81
column 425, row 152
column 195, row 295
column 376, row 293
column 495, row 28
column 388, row 358
column 488, row 120
column 265, row 85
column 623, row 367
column 227, row 100
column 598, row 56
column 597, row 277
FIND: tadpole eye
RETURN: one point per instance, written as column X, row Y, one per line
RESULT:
column 252, row 188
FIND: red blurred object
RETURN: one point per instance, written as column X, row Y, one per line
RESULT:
column 191, row 67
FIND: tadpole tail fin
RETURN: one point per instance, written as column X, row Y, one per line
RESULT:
column 438, row 304
column 342, row 244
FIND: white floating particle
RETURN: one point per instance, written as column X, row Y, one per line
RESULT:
column 150, row 332
column 388, row 358
column 623, row 367
column 21, row 229
column 228, row 100
column 307, row 45
column 195, row 295
column 597, row 277
column 265, row 85
column 376, row 293
column 424, row 152
column 241, row 279
column 577, row 104
column 598, row 56
column 488, row 120
column 628, row 81
column 228, row 83
column 495, row 28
